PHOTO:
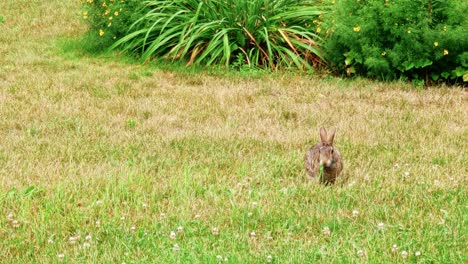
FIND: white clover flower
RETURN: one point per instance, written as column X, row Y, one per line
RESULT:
column 72, row 240
column 172, row 235
column 15, row 223
column 180, row 229
column 380, row 226
column 10, row 217
column 176, row 247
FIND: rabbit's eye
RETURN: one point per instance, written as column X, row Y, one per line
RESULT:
column 332, row 151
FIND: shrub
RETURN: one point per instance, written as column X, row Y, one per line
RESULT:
column 267, row 33
column 407, row 39
column 109, row 20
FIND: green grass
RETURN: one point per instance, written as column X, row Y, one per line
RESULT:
column 146, row 149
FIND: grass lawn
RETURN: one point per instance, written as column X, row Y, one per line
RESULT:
column 105, row 161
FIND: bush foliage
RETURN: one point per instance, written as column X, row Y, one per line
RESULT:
column 421, row 40
column 109, row 20
column 268, row 33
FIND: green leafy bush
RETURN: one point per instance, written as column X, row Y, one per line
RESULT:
column 265, row 33
column 109, row 20
column 420, row 40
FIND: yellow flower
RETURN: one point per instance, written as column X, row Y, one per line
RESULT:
column 383, row 53
column 436, row 43
column 356, row 29
column 90, row 1
column 104, row 4
column 110, row 24
column 85, row 17
column 106, row 12
column 116, row 13
column 445, row 28
column 101, row 32
column 318, row 30
column 85, row 13
column 110, row 18
column 445, row 52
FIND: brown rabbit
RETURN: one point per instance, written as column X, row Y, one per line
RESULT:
column 326, row 155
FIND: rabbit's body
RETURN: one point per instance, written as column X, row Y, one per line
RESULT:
column 326, row 155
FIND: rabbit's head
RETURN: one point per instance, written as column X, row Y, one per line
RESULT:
column 326, row 148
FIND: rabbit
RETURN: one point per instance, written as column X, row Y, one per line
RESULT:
column 326, row 155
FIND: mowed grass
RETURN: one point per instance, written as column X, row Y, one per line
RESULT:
column 101, row 160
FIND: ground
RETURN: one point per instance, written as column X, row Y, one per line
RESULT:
column 107, row 160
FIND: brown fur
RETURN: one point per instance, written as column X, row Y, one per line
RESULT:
column 325, row 153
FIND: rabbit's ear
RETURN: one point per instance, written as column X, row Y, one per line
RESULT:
column 332, row 136
column 323, row 135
